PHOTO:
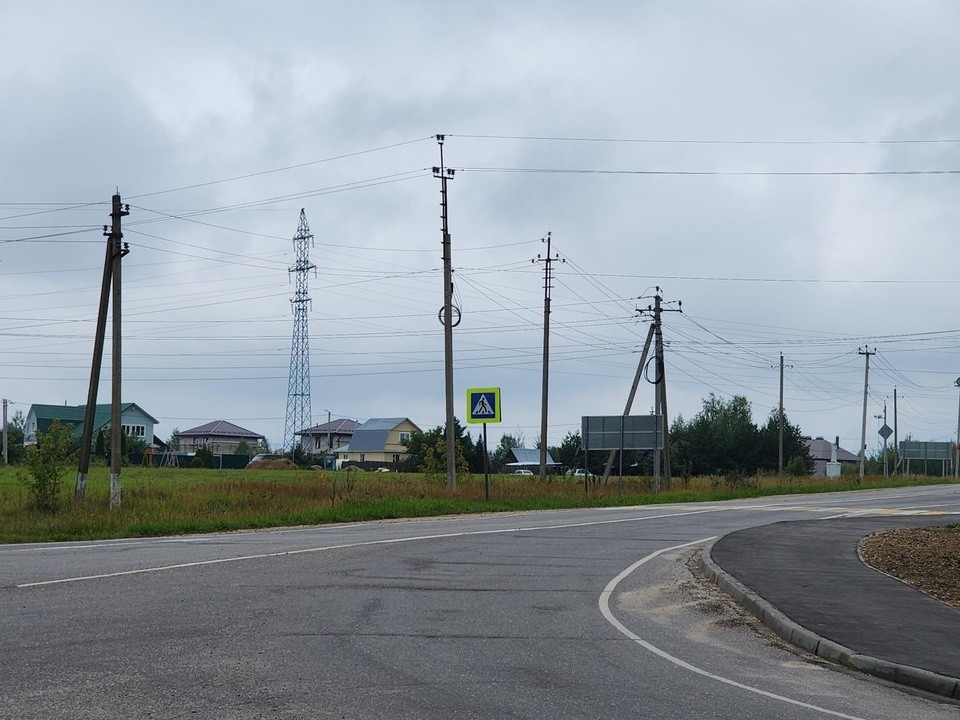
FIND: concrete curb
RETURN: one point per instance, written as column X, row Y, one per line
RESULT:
column 800, row 636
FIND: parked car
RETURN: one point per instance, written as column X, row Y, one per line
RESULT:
column 578, row 473
column 522, row 471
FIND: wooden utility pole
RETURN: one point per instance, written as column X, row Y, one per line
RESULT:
column 444, row 174
column 89, row 412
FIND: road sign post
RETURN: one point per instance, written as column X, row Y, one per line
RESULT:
column 483, row 406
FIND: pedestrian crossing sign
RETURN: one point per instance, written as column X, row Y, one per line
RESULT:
column 483, row 405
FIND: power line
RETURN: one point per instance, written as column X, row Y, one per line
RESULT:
column 296, row 166
column 707, row 173
column 696, row 141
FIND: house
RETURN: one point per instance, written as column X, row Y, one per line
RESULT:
column 526, row 459
column 820, row 450
column 220, row 436
column 330, row 435
column 133, row 419
column 378, row 442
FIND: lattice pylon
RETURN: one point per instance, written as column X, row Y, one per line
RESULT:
column 298, row 386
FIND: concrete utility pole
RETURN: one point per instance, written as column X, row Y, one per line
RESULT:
column 116, row 431
column 781, row 419
column 956, row 465
column 444, row 174
column 547, row 261
column 780, row 454
column 6, row 457
column 866, row 352
column 329, row 433
column 896, row 438
column 886, row 472
column 662, row 378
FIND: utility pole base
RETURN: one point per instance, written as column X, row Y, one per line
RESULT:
column 81, row 488
column 114, row 490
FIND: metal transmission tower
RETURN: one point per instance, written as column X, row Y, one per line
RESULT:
column 298, row 386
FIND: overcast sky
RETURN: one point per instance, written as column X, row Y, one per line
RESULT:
column 778, row 167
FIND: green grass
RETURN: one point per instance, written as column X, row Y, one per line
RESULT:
column 170, row 502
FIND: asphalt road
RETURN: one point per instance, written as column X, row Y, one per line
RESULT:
column 571, row 614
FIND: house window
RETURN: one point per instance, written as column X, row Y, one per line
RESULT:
column 396, row 459
column 361, row 457
column 404, row 438
column 134, row 430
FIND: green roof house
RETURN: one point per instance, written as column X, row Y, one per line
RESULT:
column 134, row 420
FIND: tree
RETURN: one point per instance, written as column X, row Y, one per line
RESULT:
column 793, row 445
column 243, row 447
column 100, row 447
column 262, row 446
column 16, row 452
column 44, row 462
column 131, row 446
column 174, row 440
column 473, row 452
column 427, row 451
column 569, row 453
column 721, row 439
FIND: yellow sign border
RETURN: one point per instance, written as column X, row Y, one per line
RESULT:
column 495, row 391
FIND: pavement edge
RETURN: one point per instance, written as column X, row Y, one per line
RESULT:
column 800, row 636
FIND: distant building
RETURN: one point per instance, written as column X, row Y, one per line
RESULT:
column 526, row 459
column 134, row 421
column 820, row 450
column 220, row 436
column 378, row 442
column 331, row 435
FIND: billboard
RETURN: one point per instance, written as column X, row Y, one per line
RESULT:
column 622, row 432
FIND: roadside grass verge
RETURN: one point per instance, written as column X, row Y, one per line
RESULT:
column 157, row 502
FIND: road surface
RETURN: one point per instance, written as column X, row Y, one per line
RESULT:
column 567, row 614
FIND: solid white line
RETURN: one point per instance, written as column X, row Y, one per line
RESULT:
column 366, row 543
column 604, row 603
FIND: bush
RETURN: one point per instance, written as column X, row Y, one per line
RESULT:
column 203, row 458
column 44, row 462
column 797, row 467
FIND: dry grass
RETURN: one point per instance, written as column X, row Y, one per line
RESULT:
column 174, row 501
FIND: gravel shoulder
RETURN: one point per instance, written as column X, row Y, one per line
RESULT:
column 927, row 558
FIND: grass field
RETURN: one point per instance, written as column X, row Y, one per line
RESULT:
column 176, row 501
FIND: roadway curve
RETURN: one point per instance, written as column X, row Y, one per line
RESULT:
column 570, row 614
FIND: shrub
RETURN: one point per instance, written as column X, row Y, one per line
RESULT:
column 203, row 458
column 796, row 466
column 45, row 465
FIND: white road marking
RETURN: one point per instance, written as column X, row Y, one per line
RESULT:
column 366, row 543
column 604, row 603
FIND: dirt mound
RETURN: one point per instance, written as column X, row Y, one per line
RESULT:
column 281, row 464
column 927, row 558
